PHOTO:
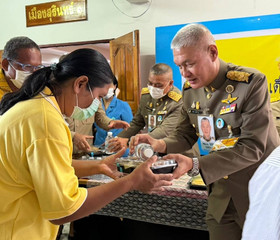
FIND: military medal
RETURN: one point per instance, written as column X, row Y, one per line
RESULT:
column 228, row 109
column 229, row 89
column 164, row 108
column 151, row 105
column 195, row 108
column 229, row 99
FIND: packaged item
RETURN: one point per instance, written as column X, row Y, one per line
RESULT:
column 144, row 151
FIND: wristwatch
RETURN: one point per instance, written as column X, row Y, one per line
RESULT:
column 195, row 170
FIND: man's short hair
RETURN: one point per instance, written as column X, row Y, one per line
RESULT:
column 15, row 44
column 160, row 68
column 192, row 35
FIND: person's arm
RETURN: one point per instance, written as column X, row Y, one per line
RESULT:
column 101, row 118
column 105, row 166
column 80, row 141
column 141, row 179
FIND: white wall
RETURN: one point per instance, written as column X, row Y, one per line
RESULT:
column 105, row 21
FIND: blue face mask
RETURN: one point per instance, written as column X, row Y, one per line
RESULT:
column 85, row 113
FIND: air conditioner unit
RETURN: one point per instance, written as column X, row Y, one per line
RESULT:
column 138, row 1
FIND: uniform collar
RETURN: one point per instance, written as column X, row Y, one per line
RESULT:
column 220, row 79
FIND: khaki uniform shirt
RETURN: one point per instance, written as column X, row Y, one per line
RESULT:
column 166, row 110
column 85, row 127
column 227, row 172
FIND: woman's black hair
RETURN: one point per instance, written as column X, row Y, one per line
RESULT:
column 115, row 82
column 87, row 62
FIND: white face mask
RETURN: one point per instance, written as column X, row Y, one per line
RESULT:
column 156, row 93
column 110, row 93
column 20, row 78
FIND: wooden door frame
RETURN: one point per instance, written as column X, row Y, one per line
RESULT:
column 75, row 43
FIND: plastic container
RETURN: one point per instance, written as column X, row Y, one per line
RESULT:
column 144, row 151
column 108, row 138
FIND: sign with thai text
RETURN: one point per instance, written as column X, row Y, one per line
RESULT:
column 56, row 12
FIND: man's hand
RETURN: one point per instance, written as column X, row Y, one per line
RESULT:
column 157, row 144
column 81, row 142
column 185, row 164
column 146, row 181
column 118, row 124
column 117, row 144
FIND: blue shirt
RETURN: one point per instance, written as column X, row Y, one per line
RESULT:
column 117, row 110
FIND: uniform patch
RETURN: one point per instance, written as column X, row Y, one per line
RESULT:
column 145, row 91
column 239, row 76
column 175, row 96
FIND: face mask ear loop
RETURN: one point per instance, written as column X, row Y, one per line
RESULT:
column 77, row 103
column 90, row 91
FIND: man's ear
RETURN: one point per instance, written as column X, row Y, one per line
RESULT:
column 213, row 50
column 5, row 64
column 80, row 84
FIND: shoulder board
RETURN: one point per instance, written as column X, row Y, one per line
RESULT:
column 186, row 85
column 174, row 96
column 145, row 90
column 239, row 76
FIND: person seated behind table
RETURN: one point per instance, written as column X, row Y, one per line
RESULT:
column 114, row 109
column 38, row 185
column 21, row 56
column 161, row 101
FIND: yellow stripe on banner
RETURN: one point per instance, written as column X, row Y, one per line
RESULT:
column 262, row 53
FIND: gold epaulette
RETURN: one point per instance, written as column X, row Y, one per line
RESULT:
column 239, row 76
column 174, row 96
column 145, row 91
column 186, row 85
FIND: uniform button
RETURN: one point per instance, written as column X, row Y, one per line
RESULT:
column 146, row 116
column 225, row 177
column 157, row 104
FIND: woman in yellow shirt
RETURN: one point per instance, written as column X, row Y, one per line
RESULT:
column 38, row 180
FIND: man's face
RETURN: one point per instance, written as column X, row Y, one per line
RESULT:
column 206, row 129
column 152, row 121
column 196, row 64
column 31, row 56
column 163, row 81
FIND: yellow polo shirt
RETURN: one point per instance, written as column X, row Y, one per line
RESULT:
column 37, row 181
column 4, row 87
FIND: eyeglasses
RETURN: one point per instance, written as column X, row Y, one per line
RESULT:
column 25, row 67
